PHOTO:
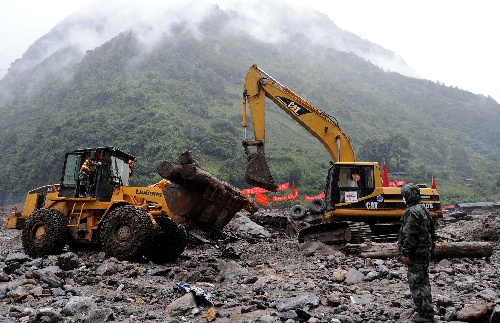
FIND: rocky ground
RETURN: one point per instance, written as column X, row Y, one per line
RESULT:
column 256, row 274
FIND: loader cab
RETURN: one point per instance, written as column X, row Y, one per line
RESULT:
column 347, row 183
column 111, row 170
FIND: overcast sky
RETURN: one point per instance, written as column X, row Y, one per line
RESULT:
column 454, row 42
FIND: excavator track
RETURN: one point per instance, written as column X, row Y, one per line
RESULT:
column 360, row 232
column 385, row 232
column 336, row 232
column 379, row 232
column 349, row 232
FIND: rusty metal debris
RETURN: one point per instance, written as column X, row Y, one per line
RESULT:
column 197, row 199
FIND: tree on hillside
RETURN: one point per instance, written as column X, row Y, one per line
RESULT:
column 399, row 151
column 393, row 150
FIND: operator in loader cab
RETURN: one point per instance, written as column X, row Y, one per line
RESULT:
column 87, row 175
column 416, row 243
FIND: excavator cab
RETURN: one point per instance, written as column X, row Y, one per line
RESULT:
column 348, row 183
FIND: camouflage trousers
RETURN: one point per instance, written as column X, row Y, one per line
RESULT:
column 420, row 287
column 84, row 183
column 84, row 179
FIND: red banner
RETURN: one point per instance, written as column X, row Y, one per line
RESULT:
column 262, row 199
column 259, row 190
column 290, row 196
column 310, row 198
column 254, row 190
column 281, row 198
column 283, row 186
column 397, row 183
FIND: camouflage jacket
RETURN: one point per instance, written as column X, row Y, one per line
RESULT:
column 417, row 234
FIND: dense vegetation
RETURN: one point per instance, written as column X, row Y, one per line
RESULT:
column 185, row 94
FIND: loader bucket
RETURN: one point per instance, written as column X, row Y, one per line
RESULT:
column 258, row 174
column 197, row 199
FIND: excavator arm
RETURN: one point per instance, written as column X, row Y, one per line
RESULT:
column 258, row 86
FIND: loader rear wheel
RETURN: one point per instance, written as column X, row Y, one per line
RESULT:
column 45, row 233
column 126, row 233
column 169, row 243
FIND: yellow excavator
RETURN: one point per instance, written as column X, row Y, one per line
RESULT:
column 128, row 222
column 356, row 205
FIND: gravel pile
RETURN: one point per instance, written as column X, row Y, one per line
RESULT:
column 255, row 274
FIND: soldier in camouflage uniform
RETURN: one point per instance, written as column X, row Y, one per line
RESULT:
column 416, row 243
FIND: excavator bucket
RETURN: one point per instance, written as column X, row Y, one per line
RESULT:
column 258, row 174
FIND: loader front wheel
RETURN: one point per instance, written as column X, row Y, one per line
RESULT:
column 126, row 233
column 169, row 243
column 45, row 233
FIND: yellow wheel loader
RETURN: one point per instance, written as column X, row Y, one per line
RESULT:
column 95, row 206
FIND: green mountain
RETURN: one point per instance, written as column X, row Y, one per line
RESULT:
column 157, row 92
